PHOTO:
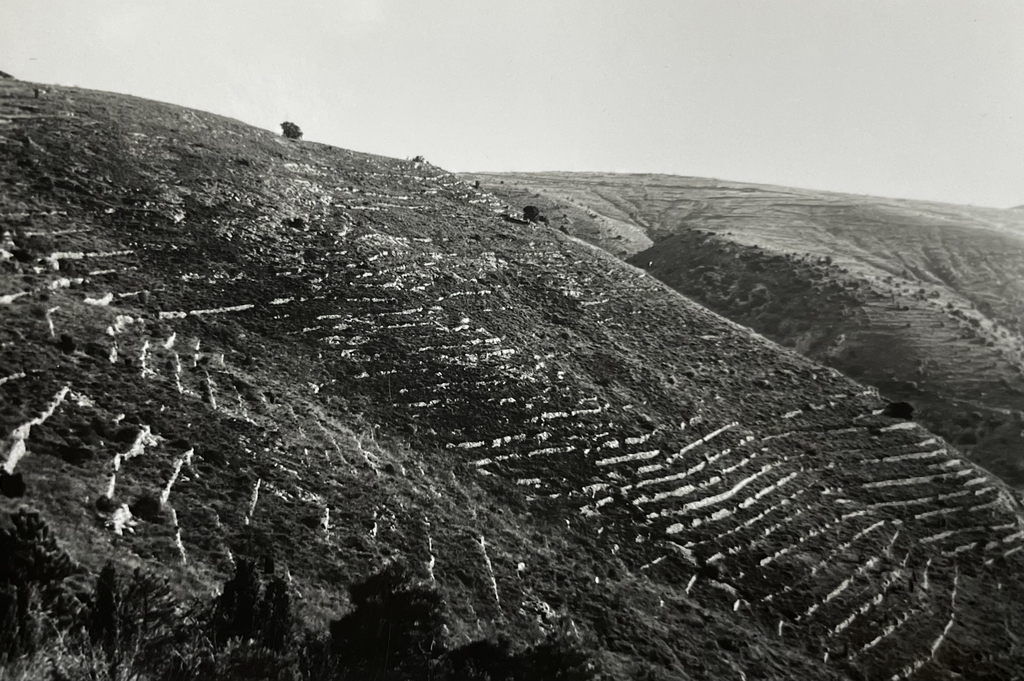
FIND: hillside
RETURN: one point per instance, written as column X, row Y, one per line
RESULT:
column 924, row 301
column 220, row 344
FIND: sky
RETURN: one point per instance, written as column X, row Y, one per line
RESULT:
column 905, row 98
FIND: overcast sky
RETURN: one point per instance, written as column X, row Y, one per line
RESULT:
column 917, row 99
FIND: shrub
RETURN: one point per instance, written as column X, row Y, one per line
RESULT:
column 103, row 621
column 148, row 614
column 18, row 622
column 396, row 624
column 254, row 607
column 234, row 611
column 480, row 660
column 275, row 615
column 291, row 131
column 248, row 661
column 30, row 554
column 134, row 627
column 899, row 410
column 557, row 658
column 133, row 622
column 531, row 213
column 12, row 484
column 147, row 507
column 33, row 570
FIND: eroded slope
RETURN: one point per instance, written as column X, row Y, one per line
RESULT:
column 343, row 358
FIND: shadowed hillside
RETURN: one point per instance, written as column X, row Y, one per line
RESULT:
column 924, row 301
column 218, row 344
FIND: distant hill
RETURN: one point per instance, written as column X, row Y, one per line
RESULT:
column 221, row 348
column 924, row 301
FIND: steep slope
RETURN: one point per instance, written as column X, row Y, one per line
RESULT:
column 924, row 301
column 341, row 359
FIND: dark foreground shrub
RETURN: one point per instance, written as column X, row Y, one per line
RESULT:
column 479, row 660
column 396, row 626
column 135, row 627
column 18, row 625
column 33, row 573
column 291, row 131
column 559, row 657
column 253, row 607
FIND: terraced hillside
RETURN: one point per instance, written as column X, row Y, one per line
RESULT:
column 924, row 301
column 219, row 343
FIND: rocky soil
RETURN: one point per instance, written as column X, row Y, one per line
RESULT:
column 219, row 343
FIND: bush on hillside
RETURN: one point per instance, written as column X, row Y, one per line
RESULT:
column 559, row 657
column 253, row 607
column 34, row 570
column 396, row 624
column 291, row 131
